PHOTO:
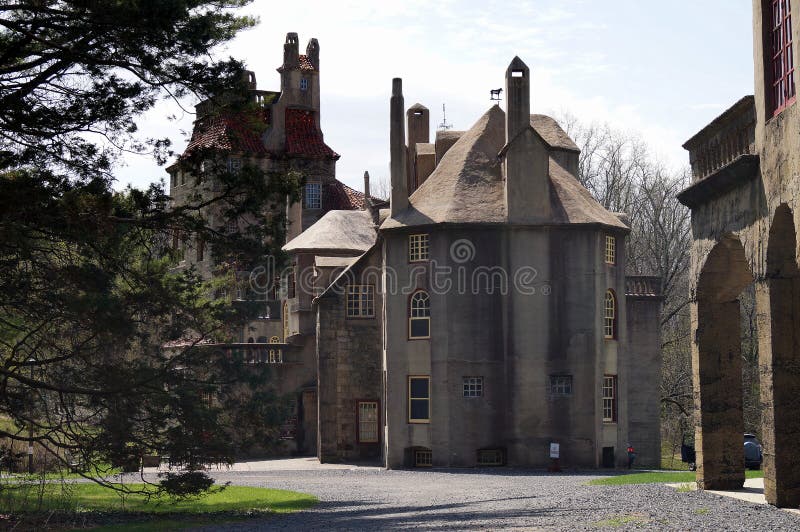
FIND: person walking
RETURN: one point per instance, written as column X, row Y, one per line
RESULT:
column 631, row 455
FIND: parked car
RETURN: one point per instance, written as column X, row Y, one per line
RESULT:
column 753, row 452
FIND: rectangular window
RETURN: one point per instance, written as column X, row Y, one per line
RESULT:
column 303, row 84
column 783, row 90
column 417, row 248
column 234, row 165
column 368, row 422
column 473, row 386
column 561, row 385
column 313, row 196
column 419, row 399
column 360, row 301
column 610, row 399
column 611, row 249
column 292, row 285
column 275, row 356
column 491, row 457
column 423, row 458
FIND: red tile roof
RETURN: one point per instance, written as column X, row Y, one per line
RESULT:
column 338, row 196
column 305, row 63
column 232, row 133
column 303, row 138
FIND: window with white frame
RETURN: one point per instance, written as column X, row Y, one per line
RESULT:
column 611, row 249
column 419, row 399
column 561, row 385
column 275, row 356
column 610, row 321
column 360, row 301
column 473, row 386
column 368, row 422
column 609, row 399
column 313, row 196
column 418, row 247
column 419, row 315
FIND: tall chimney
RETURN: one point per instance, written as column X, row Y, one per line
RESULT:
column 518, row 95
column 527, row 157
column 367, row 197
column 397, row 145
column 291, row 51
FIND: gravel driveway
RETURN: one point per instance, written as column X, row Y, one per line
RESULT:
column 470, row 499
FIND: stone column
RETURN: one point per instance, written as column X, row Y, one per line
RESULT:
column 779, row 370
column 717, row 378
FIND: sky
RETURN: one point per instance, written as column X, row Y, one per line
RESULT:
column 657, row 69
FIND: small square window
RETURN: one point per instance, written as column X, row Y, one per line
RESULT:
column 418, row 247
column 473, row 386
column 560, row 385
column 611, row 249
column 360, row 301
column 423, row 458
column 491, row 457
column 313, row 196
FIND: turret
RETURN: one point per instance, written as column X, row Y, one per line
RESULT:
column 397, row 146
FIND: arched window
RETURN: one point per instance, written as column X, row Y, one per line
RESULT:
column 610, row 327
column 274, row 340
column 419, row 315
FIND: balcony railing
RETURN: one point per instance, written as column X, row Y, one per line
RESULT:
column 724, row 140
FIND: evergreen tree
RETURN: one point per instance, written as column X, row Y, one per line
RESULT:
column 89, row 295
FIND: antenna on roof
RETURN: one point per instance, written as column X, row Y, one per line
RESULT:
column 494, row 95
column 444, row 125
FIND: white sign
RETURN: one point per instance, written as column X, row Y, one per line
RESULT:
column 554, row 450
column 30, row 449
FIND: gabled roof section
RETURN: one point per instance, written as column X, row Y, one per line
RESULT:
column 573, row 204
column 303, row 139
column 337, row 231
column 555, row 137
column 229, row 133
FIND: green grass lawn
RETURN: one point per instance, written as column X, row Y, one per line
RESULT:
column 657, row 477
column 232, row 503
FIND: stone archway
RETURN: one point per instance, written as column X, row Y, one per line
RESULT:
column 717, row 366
column 779, row 363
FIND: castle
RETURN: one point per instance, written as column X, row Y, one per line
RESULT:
column 478, row 317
